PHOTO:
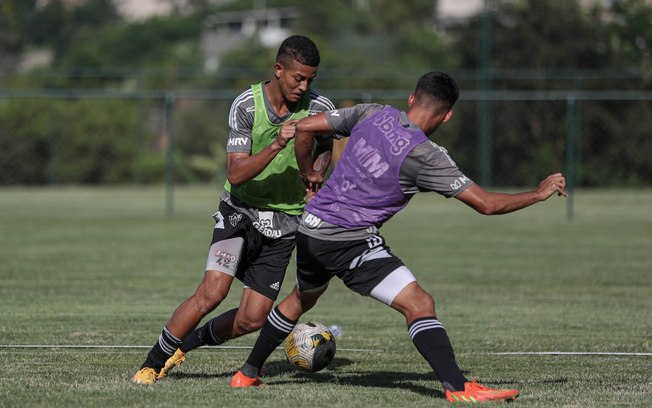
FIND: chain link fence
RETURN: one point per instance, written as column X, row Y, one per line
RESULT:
column 500, row 138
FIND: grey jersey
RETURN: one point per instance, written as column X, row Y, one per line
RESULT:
column 272, row 224
column 241, row 118
column 428, row 167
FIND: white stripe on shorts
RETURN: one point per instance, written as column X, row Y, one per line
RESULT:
column 393, row 283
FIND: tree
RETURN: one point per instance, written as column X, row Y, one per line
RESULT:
column 15, row 23
column 632, row 31
column 547, row 45
column 155, row 43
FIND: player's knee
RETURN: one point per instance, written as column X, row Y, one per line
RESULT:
column 414, row 302
column 249, row 323
column 422, row 305
column 207, row 300
column 212, row 291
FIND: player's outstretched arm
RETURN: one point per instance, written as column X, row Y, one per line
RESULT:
column 306, row 130
column 490, row 203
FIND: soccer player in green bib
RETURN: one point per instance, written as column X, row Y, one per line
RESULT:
column 258, row 215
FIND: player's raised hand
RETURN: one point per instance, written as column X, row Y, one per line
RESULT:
column 286, row 133
column 554, row 183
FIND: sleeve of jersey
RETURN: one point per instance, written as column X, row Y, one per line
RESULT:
column 436, row 171
column 319, row 103
column 241, row 121
column 343, row 120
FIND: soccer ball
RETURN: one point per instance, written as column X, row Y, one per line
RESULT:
column 310, row 347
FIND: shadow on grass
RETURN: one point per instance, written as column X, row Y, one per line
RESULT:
column 280, row 372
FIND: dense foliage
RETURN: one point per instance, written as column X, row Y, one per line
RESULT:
column 535, row 46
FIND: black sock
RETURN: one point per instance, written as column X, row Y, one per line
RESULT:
column 276, row 329
column 200, row 337
column 166, row 345
column 430, row 338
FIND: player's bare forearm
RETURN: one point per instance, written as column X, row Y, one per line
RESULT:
column 242, row 167
column 491, row 203
column 323, row 156
column 323, row 153
column 306, row 130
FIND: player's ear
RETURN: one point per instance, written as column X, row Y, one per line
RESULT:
column 448, row 115
column 278, row 70
column 411, row 99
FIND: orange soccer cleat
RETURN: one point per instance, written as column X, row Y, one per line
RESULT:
column 474, row 392
column 241, row 380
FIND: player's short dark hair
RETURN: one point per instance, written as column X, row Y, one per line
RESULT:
column 300, row 49
column 437, row 87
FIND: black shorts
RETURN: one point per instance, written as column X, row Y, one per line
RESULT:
column 238, row 249
column 361, row 264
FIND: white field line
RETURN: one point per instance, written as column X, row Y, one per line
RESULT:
column 566, row 353
column 504, row 353
column 119, row 346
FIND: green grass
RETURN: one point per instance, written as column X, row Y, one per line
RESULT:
column 107, row 267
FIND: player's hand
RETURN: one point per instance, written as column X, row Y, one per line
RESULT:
column 311, row 191
column 312, row 180
column 286, row 133
column 554, row 183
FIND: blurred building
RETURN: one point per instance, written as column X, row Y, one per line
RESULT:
column 452, row 12
column 225, row 30
column 143, row 9
column 135, row 10
column 228, row 30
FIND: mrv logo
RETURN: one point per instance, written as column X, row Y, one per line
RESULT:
column 238, row 141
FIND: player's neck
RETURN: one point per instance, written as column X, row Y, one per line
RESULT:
column 275, row 97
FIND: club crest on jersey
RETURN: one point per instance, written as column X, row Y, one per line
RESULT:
column 234, row 219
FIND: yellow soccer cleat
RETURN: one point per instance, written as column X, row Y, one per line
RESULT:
column 177, row 358
column 145, row 375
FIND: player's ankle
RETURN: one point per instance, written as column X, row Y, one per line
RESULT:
column 250, row 371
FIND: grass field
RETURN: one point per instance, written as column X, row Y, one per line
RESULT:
column 92, row 267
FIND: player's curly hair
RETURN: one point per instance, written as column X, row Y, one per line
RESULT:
column 298, row 48
column 437, row 87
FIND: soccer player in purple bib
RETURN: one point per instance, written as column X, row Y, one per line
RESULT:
column 387, row 160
